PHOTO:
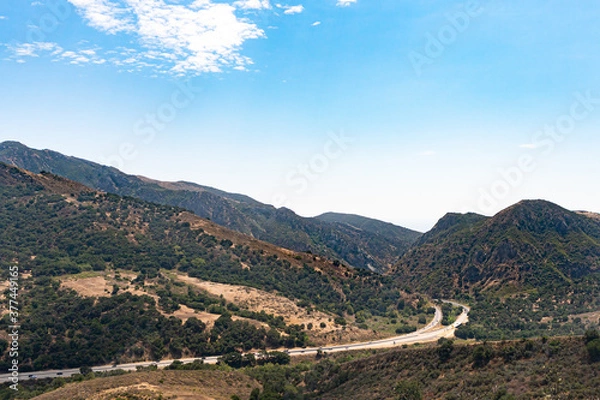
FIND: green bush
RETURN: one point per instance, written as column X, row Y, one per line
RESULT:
column 408, row 390
column 593, row 349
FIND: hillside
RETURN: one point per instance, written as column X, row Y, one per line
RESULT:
column 391, row 235
column 375, row 249
column 532, row 369
column 560, row 368
column 529, row 270
column 200, row 385
column 57, row 230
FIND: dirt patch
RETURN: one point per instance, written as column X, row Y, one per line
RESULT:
column 96, row 286
column 587, row 318
column 258, row 300
column 102, row 286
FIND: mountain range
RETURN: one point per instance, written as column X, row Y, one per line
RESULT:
column 532, row 244
column 353, row 240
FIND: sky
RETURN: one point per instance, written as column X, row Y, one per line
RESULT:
column 396, row 110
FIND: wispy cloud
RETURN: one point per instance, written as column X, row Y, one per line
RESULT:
column 253, row 4
column 127, row 59
column 21, row 51
column 345, row 3
column 289, row 10
column 316, row 23
column 2, row 17
column 82, row 57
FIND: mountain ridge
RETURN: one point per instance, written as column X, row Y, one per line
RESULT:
column 282, row 227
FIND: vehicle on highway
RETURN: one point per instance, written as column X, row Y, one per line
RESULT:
column 59, row 373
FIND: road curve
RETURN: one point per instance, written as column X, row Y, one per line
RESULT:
column 430, row 333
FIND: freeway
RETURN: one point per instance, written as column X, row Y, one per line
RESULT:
column 430, row 333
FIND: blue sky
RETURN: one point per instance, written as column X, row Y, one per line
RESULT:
column 398, row 110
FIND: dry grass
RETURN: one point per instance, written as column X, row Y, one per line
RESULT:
column 97, row 286
column 587, row 318
column 100, row 284
column 259, row 300
column 175, row 385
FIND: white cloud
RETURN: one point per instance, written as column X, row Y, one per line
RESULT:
column 345, row 3
column 252, row 4
column 289, row 10
column 2, row 17
column 76, row 57
column 180, row 39
column 81, row 57
column 316, row 23
column 105, row 15
column 32, row 50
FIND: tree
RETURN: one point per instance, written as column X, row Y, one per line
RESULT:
column 233, row 359
column 591, row 335
column 444, row 349
column 593, row 349
column 482, row 355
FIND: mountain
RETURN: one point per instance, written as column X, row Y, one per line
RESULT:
column 532, row 244
column 59, row 231
column 355, row 241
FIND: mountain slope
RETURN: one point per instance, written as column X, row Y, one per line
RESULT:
column 528, row 369
column 52, row 227
column 533, row 244
column 374, row 249
column 393, row 233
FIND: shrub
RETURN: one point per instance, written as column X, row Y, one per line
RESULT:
column 482, row 355
column 591, row 335
column 593, row 349
column 444, row 349
column 405, row 329
column 408, row 390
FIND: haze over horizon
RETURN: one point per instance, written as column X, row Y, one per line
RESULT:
column 400, row 111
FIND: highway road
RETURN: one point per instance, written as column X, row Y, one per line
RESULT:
column 430, row 333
